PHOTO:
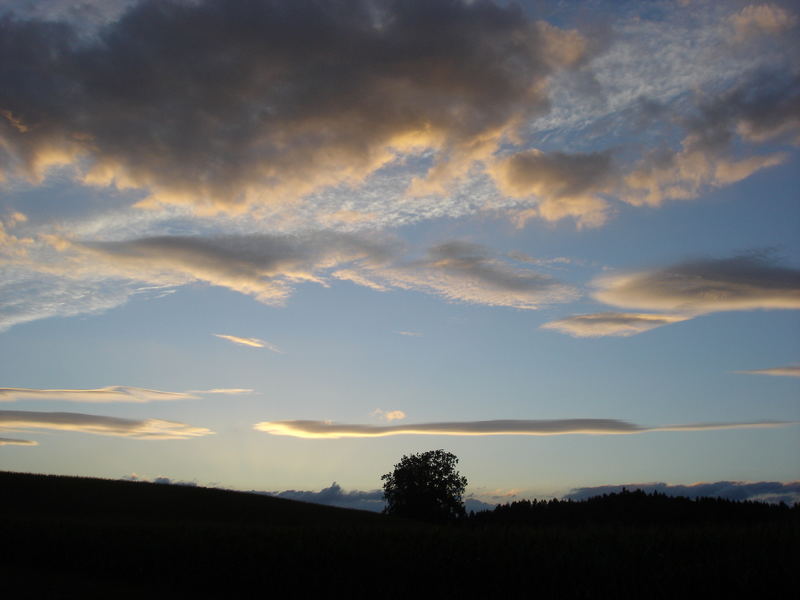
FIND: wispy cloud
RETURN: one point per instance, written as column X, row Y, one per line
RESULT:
column 222, row 391
column 144, row 429
column 248, row 341
column 244, row 341
column 409, row 333
column 611, row 324
column 115, row 393
column 472, row 273
column 268, row 267
column 788, row 371
column 16, row 442
column 327, row 429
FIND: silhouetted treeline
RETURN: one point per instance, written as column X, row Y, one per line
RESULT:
column 636, row 508
column 68, row 537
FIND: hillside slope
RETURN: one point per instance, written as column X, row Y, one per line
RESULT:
column 68, row 537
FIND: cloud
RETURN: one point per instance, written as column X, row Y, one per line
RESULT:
column 409, row 333
column 761, row 108
column 336, row 496
column 745, row 282
column 389, row 415
column 470, row 273
column 223, row 391
column 168, row 481
column 789, row 371
column 760, row 19
column 252, row 342
column 763, row 491
column 15, row 442
column 114, row 393
column 262, row 266
column 224, row 104
column 145, row 429
column 611, row 324
column 564, row 185
column 329, row 430
column 71, row 277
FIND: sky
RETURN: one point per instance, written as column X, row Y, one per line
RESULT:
column 276, row 245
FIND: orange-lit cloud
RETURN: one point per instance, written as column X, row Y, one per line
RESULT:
column 612, row 324
column 145, row 429
column 252, row 342
column 329, row 430
column 563, row 185
column 788, row 371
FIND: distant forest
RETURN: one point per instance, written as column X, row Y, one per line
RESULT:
column 635, row 508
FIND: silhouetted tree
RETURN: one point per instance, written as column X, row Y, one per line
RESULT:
column 425, row 486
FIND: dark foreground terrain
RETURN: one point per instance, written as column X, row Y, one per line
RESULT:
column 79, row 537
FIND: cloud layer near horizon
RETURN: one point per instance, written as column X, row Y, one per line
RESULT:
column 329, row 430
column 762, row 491
column 144, row 429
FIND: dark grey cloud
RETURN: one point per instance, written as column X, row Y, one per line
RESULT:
column 745, row 282
column 142, row 429
column 765, row 491
column 330, row 430
column 218, row 102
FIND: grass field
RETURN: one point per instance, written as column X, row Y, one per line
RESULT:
column 82, row 537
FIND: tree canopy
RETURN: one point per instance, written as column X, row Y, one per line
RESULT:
column 425, row 486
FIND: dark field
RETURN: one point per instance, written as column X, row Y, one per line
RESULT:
column 81, row 537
